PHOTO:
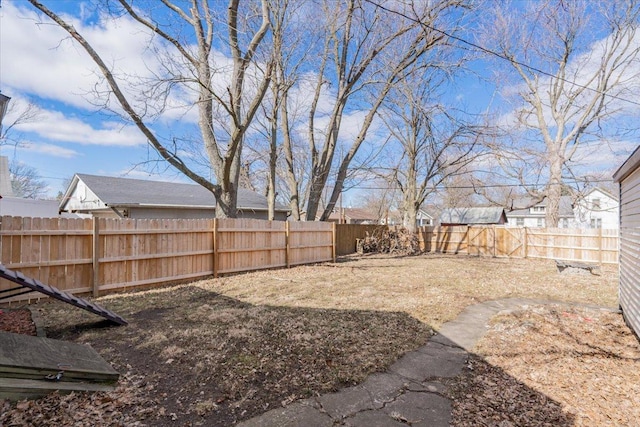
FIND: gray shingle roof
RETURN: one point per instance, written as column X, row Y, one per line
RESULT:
column 482, row 215
column 354, row 213
column 522, row 207
column 125, row 191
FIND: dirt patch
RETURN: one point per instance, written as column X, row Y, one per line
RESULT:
column 218, row 351
column 207, row 359
column 17, row 321
column 553, row 366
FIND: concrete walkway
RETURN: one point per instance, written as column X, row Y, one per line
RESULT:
column 410, row 392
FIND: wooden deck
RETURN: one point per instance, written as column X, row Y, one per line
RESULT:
column 34, row 366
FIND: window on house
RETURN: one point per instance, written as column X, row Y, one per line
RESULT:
column 595, row 204
column 596, row 222
column 540, row 222
column 565, row 222
column 538, row 209
column 520, row 222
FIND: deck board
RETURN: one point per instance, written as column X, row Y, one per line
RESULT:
column 18, row 388
column 27, row 357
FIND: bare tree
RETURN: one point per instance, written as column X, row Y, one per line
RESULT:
column 225, row 105
column 26, row 182
column 290, row 42
column 20, row 114
column 432, row 143
column 457, row 191
column 573, row 65
column 365, row 45
column 381, row 200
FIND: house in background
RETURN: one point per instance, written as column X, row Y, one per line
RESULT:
column 17, row 206
column 423, row 219
column 473, row 216
column 596, row 209
column 6, row 190
column 109, row 197
column 534, row 216
column 395, row 217
column 353, row 216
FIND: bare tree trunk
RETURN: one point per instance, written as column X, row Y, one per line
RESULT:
column 410, row 217
column 240, row 111
column 554, row 193
column 321, row 167
column 273, row 159
column 410, row 192
column 292, row 181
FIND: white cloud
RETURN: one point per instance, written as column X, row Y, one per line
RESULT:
column 350, row 126
column 602, row 156
column 40, row 63
column 55, row 126
column 49, row 64
column 48, row 149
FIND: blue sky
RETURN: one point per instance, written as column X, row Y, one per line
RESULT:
column 69, row 135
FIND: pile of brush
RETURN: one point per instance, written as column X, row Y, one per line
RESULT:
column 398, row 241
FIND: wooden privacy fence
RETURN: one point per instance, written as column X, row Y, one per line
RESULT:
column 99, row 255
column 585, row 245
column 347, row 234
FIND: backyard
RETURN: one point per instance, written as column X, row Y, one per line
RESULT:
column 214, row 352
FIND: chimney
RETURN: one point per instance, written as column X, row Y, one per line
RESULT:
column 5, row 178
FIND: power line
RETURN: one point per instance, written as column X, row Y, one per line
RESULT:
column 471, row 187
column 499, row 55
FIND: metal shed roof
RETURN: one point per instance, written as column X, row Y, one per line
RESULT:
column 482, row 215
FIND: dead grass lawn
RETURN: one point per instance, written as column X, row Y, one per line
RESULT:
column 431, row 288
column 217, row 351
column 553, row 365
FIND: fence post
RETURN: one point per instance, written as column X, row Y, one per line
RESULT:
column 333, row 241
column 495, row 251
column 215, row 247
column 524, row 242
column 286, row 244
column 95, row 288
column 468, row 240
column 600, row 246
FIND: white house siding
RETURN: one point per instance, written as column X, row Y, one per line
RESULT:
column 191, row 213
column 167, row 213
column 83, row 199
column 629, row 292
column 607, row 214
column 423, row 219
column 526, row 221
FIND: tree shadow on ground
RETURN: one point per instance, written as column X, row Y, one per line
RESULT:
column 485, row 395
column 198, row 357
column 211, row 359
